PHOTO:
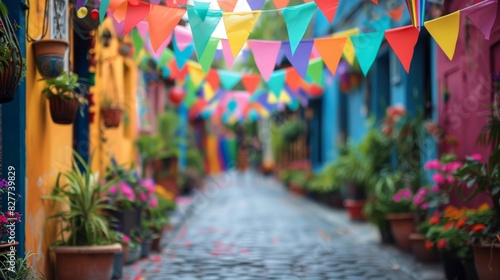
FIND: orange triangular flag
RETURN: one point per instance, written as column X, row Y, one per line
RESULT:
column 212, row 79
column 375, row 1
column 162, row 21
column 330, row 50
column 227, row 5
column 250, row 82
column 281, row 3
column 293, row 79
column 396, row 13
column 403, row 41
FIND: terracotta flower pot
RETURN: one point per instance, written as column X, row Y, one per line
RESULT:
column 355, row 209
column 49, row 56
column 126, row 49
column 63, row 111
column 111, row 117
column 296, row 189
column 487, row 261
column 421, row 253
column 85, row 262
column 402, row 225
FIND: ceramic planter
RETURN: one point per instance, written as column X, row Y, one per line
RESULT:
column 402, row 225
column 11, row 70
column 111, row 117
column 146, row 248
column 487, row 261
column 49, row 57
column 421, row 253
column 355, row 209
column 85, row 262
column 62, row 110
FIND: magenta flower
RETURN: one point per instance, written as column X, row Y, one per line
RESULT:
column 476, row 157
column 396, row 197
column 113, row 190
column 424, row 206
column 418, row 199
column 153, row 202
column 402, row 194
column 143, row 196
column 453, row 166
column 438, row 178
column 435, row 189
column 126, row 239
column 3, row 219
column 149, row 184
column 127, row 191
column 432, row 164
column 423, row 192
column 450, row 179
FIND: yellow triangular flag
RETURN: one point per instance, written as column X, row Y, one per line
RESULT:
column 238, row 27
column 196, row 73
column 348, row 52
column 271, row 98
column 444, row 30
column 208, row 92
column 285, row 98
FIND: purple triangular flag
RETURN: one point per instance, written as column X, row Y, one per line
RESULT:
column 255, row 4
column 218, row 55
column 483, row 16
column 281, row 54
column 300, row 60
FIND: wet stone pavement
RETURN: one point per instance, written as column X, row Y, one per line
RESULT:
column 250, row 227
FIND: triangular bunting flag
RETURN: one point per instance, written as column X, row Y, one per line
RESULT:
column 119, row 9
column 483, row 16
column 175, row 72
column 181, row 57
column 315, row 71
column 202, row 30
column 256, row 4
column 293, row 79
column 166, row 56
column 250, row 82
column 279, row 3
column 403, row 41
column 212, row 78
column 103, row 7
column 137, row 40
column 238, row 28
column 375, row 1
column 227, row 53
column 444, row 30
column 396, row 13
column 208, row 55
column 265, row 53
column 277, row 82
column 348, row 52
column 367, row 46
column 134, row 14
column 229, row 79
column 183, row 37
column 297, row 19
column 201, row 9
column 328, row 7
column 227, row 5
column 208, row 92
column 162, row 21
column 330, row 50
column 196, row 73
column 299, row 60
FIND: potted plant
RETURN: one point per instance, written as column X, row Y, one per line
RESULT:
column 22, row 269
column 297, row 182
column 131, row 248
column 86, row 240
column 64, row 100
column 49, row 57
column 12, row 67
column 158, row 219
column 326, row 184
column 111, row 113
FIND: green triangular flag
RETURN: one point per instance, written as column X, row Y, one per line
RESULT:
column 190, row 99
column 202, row 29
column 277, row 82
column 165, row 57
column 297, row 19
column 366, row 46
column 137, row 41
column 229, row 79
column 201, row 8
column 315, row 71
column 191, row 87
column 209, row 54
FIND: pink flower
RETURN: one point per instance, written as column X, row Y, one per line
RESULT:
column 3, row 219
column 126, row 239
column 153, row 202
column 432, row 165
column 435, row 189
column 113, row 190
column 402, row 194
column 149, row 184
column 418, row 199
column 476, row 157
column 143, row 196
column 127, row 191
column 450, row 179
column 423, row 192
column 453, row 166
column 438, row 178
column 396, row 197
column 424, row 206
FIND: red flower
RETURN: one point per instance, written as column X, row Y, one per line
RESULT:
column 461, row 222
column 448, row 225
column 434, row 221
column 477, row 228
column 441, row 244
column 428, row 245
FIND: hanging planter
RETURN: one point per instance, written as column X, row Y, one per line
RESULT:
column 63, row 99
column 49, row 57
column 349, row 77
column 111, row 112
column 11, row 60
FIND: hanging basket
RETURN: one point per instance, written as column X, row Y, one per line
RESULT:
column 63, row 110
column 11, row 64
column 111, row 117
column 49, row 57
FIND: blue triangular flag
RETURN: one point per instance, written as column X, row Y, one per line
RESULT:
column 202, row 29
column 229, row 79
column 297, row 19
column 366, row 46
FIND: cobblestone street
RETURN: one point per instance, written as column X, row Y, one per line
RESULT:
column 249, row 227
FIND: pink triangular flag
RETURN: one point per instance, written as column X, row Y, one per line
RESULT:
column 483, row 16
column 226, row 51
column 183, row 37
column 162, row 21
column 135, row 13
column 142, row 28
column 265, row 54
column 403, row 41
column 162, row 47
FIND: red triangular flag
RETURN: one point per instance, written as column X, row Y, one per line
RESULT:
column 330, row 50
column 396, row 13
column 212, row 79
column 375, row 1
column 227, row 5
column 281, row 3
column 162, row 21
column 328, row 7
column 135, row 13
column 403, row 41
column 175, row 73
column 250, row 82
column 293, row 79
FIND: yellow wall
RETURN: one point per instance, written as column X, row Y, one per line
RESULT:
column 116, row 78
column 48, row 151
column 49, row 145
